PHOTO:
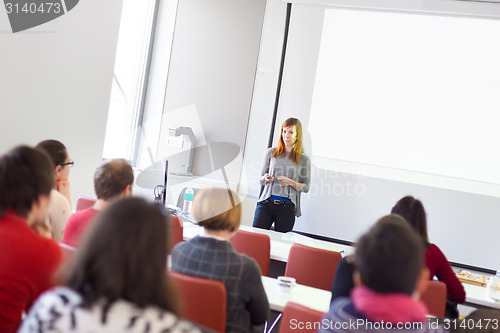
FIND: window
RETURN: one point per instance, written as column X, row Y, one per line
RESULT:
column 130, row 78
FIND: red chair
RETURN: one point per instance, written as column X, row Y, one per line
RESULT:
column 68, row 255
column 202, row 301
column 255, row 245
column 309, row 319
column 176, row 232
column 84, row 203
column 311, row 266
column 68, row 251
column 434, row 298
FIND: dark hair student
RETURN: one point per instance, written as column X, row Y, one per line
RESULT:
column 389, row 272
column 118, row 276
column 60, row 197
column 25, row 174
column 413, row 211
column 28, row 260
column 62, row 163
column 389, row 257
column 286, row 173
column 56, row 150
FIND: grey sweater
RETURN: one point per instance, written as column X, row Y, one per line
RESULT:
column 284, row 166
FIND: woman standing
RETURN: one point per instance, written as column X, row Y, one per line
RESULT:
column 285, row 174
column 60, row 198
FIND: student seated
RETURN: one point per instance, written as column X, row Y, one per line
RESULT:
column 60, row 197
column 27, row 259
column 390, row 272
column 343, row 283
column 113, row 179
column 117, row 281
column 212, row 256
column 413, row 211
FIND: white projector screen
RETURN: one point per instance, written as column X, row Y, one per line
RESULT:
column 396, row 103
column 426, row 87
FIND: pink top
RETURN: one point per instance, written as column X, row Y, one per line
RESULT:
column 393, row 308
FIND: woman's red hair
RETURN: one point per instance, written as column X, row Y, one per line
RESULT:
column 297, row 149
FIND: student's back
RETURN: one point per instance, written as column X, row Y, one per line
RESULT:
column 117, row 281
column 27, row 260
column 389, row 270
column 112, row 180
column 212, row 256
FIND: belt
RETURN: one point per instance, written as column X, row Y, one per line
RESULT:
column 278, row 202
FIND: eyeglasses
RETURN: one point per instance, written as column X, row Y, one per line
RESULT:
column 70, row 163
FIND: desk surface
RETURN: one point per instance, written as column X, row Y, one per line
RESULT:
column 476, row 296
column 280, row 242
column 319, row 299
column 280, row 247
column 313, row 298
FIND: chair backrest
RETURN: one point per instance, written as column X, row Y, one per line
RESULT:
column 84, row 203
column 254, row 245
column 68, row 255
column 202, row 301
column 176, row 232
column 68, row 251
column 300, row 314
column 311, row 266
column 435, row 298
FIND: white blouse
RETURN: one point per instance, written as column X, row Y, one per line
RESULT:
column 59, row 310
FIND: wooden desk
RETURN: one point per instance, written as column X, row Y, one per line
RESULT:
column 313, row 298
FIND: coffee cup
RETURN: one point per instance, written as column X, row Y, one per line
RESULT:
column 286, row 283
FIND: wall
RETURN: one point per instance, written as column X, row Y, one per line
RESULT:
column 263, row 99
column 209, row 86
column 56, row 83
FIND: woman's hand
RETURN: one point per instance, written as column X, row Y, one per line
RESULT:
column 267, row 178
column 284, row 181
column 42, row 228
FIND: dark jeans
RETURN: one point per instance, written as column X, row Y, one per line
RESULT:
column 282, row 213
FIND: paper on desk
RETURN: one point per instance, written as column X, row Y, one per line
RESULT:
column 176, row 211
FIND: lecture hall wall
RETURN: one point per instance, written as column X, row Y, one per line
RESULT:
column 55, row 82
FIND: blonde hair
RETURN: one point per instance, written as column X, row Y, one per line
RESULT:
column 298, row 148
column 217, row 209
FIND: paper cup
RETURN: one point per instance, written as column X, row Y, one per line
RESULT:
column 286, row 283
